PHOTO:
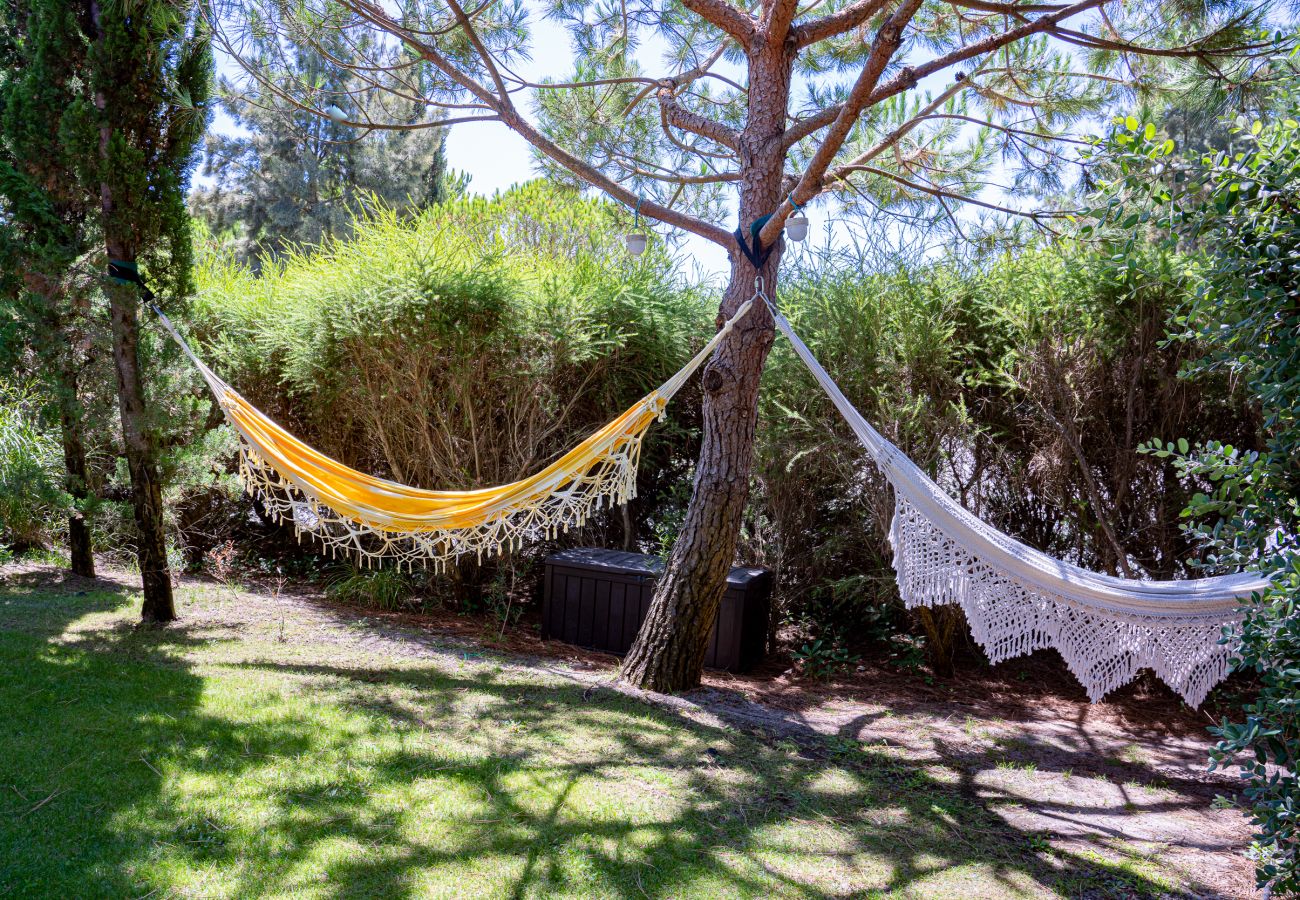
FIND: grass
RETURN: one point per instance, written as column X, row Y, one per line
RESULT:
column 208, row 760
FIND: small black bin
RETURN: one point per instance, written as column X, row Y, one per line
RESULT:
column 598, row 599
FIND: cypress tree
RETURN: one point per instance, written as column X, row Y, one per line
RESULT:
column 148, row 76
column 290, row 177
column 45, row 228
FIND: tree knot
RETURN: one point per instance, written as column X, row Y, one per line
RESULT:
column 716, row 377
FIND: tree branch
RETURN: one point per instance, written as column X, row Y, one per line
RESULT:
column 883, row 48
column 731, row 19
column 776, row 21
column 899, row 133
column 993, row 42
column 810, row 125
column 471, row 33
column 1009, row 9
column 680, row 117
column 511, row 117
column 1093, row 42
column 934, row 191
column 846, row 19
column 820, row 119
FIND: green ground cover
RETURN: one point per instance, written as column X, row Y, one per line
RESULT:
column 232, row 758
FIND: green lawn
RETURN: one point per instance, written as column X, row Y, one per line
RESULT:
column 216, row 760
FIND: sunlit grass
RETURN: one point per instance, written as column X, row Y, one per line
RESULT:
column 194, row 762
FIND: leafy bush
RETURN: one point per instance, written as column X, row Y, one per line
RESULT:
column 1237, row 210
column 1023, row 385
column 466, row 347
column 30, row 472
column 825, row 656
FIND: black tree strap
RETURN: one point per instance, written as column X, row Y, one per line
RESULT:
column 125, row 272
column 757, row 254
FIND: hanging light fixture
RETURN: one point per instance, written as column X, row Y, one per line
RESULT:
column 796, row 227
column 636, row 239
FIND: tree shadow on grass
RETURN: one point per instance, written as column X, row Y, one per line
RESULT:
column 599, row 793
column 140, row 763
column 96, row 711
column 79, row 727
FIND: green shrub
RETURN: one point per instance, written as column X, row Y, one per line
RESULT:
column 386, row 589
column 30, row 472
column 825, row 656
column 1237, row 210
column 1023, row 384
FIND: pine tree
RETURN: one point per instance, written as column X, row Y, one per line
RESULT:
column 138, row 124
column 761, row 107
column 46, row 226
column 290, row 177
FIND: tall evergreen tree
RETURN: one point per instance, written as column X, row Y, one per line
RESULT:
column 45, row 228
column 288, row 176
column 148, row 76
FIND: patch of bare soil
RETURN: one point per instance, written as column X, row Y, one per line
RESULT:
column 1122, row 779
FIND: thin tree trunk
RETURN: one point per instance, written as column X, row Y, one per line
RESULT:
column 64, row 337
column 141, row 453
column 76, row 479
column 146, row 487
column 668, row 654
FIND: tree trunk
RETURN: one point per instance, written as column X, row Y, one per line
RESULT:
column 146, row 487
column 65, row 339
column 668, row 654
column 138, row 441
column 76, row 479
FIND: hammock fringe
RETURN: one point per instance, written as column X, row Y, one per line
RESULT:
column 372, row 520
column 1103, row 650
column 1018, row 600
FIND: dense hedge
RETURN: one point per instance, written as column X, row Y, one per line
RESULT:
column 1024, row 385
column 467, row 347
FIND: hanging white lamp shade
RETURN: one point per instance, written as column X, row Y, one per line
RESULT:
column 796, row 227
column 636, row 243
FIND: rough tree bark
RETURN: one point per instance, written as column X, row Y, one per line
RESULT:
column 146, row 485
column 668, row 654
column 71, row 426
column 137, row 439
column 76, row 478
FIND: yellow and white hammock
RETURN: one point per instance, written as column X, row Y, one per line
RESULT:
column 372, row 519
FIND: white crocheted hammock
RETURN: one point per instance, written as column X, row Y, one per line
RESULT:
column 1018, row 599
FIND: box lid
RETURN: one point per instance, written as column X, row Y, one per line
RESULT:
column 620, row 562
column 599, row 559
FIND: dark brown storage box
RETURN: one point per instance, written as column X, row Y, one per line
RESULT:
column 598, row 599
